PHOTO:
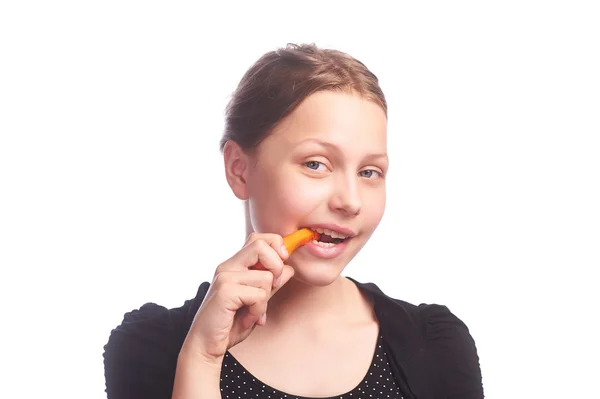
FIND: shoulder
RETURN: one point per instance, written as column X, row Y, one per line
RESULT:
column 451, row 352
column 433, row 346
column 140, row 356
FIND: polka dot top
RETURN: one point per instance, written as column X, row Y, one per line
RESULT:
column 239, row 383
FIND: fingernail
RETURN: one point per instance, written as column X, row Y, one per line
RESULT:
column 284, row 251
column 278, row 282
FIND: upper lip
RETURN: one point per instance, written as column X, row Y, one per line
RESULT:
column 333, row 227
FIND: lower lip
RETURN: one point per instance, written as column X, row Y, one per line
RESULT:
column 326, row 252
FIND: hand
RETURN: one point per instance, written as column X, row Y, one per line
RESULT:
column 236, row 301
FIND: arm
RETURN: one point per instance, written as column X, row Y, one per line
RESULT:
column 196, row 379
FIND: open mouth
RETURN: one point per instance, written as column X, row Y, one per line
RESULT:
column 329, row 238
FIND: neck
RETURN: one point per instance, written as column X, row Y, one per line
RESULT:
column 297, row 303
column 249, row 228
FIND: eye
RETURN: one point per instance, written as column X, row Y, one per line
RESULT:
column 370, row 173
column 314, row 165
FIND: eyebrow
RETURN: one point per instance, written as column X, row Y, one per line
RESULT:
column 334, row 147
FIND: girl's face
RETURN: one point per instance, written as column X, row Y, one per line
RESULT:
column 323, row 167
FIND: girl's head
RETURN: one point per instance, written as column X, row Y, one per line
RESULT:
column 305, row 145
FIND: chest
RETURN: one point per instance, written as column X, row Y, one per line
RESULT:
column 323, row 367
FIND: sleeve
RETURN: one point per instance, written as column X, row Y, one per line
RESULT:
column 454, row 354
column 140, row 357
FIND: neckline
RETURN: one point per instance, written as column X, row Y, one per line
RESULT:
column 266, row 387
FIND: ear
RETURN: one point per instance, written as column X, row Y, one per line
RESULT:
column 237, row 166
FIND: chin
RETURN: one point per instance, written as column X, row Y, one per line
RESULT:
column 317, row 273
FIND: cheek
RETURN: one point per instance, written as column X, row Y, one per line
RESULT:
column 279, row 203
column 374, row 208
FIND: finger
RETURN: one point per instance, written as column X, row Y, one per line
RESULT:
column 237, row 296
column 274, row 240
column 253, row 278
column 286, row 275
column 248, row 256
column 248, row 316
column 255, row 313
column 262, row 321
column 259, row 252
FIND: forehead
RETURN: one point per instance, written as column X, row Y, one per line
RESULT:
column 345, row 120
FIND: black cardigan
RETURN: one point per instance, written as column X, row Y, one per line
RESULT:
column 433, row 355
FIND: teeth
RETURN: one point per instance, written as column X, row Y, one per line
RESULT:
column 330, row 233
column 334, row 234
column 323, row 244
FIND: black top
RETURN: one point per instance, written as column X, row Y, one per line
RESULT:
column 378, row 382
column 430, row 351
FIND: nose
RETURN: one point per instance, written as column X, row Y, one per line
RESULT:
column 346, row 197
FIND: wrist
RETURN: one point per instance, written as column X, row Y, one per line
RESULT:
column 189, row 355
column 196, row 378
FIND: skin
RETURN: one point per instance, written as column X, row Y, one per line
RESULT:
column 324, row 163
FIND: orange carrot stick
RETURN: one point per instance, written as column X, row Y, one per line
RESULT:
column 299, row 238
column 293, row 241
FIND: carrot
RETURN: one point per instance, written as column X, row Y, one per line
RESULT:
column 298, row 238
column 293, row 241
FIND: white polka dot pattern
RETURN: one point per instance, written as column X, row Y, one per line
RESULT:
column 239, row 383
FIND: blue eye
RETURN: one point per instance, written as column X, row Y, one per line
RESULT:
column 369, row 173
column 314, row 165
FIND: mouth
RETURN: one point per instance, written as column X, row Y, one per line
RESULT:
column 329, row 243
column 331, row 236
column 327, row 238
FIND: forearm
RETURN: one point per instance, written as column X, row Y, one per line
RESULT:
column 195, row 379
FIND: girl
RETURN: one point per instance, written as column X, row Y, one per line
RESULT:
column 304, row 147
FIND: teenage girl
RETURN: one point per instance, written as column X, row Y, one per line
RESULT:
column 305, row 146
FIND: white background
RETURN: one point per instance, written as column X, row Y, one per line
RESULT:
column 113, row 192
